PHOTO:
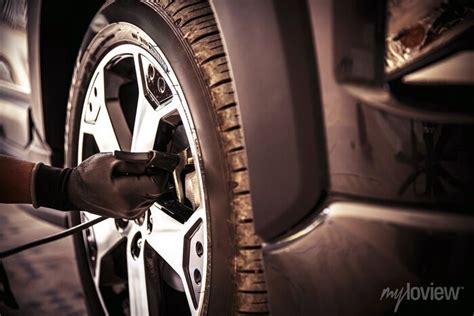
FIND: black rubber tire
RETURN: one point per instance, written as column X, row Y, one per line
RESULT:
column 187, row 33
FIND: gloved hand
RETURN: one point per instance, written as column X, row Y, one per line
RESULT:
column 102, row 184
column 115, row 188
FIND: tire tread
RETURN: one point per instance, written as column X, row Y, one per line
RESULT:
column 199, row 28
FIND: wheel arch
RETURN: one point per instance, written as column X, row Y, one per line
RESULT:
column 277, row 87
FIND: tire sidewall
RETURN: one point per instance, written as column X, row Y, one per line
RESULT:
column 216, row 176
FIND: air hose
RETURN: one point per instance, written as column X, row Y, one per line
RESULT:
column 51, row 238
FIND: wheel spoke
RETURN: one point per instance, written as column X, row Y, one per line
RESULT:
column 137, row 280
column 145, row 126
column 104, row 133
column 119, row 124
column 147, row 118
column 107, row 237
column 168, row 239
column 96, row 120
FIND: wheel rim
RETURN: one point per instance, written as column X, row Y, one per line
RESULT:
column 134, row 102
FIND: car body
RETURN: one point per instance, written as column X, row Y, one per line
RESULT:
column 362, row 180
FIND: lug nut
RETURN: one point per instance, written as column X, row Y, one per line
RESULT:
column 199, row 249
column 151, row 72
column 136, row 245
column 140, row 220
column 121, row 224
column 197, row 276
column 161, row 85
column 149, row 225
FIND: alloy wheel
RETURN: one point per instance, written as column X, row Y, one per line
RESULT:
column 134, row 102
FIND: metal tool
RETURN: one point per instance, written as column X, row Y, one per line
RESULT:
column 156, row 161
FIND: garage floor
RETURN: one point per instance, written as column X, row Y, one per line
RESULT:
column 44, row 280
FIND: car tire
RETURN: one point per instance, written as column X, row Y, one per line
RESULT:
column 187, row 33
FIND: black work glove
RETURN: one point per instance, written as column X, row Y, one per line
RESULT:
column 102, row 184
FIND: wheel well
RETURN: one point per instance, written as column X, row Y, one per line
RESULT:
column 60, row 37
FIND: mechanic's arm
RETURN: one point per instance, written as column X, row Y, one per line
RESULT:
column 101, row 184
column 16, row 179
